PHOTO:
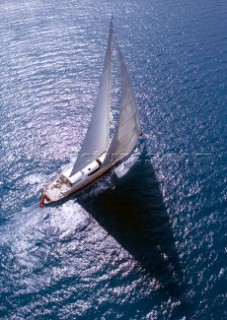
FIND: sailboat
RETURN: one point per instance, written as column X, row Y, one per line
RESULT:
column 98, row 155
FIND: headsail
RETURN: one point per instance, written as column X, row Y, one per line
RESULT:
column 128, row 129
column 96, row 140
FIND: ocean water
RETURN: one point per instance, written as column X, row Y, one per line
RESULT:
column 147, row 242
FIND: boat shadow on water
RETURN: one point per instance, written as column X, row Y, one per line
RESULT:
column 134, row 214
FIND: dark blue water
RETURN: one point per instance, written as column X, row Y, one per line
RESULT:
column 149, row 245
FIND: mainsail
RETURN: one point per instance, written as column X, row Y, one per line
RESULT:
column 96, row 140
column 128, row 129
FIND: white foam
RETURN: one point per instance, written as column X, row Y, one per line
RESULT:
column 125, row 166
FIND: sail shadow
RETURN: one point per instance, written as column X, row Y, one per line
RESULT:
column 134, row 214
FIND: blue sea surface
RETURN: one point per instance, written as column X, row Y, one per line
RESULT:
column 146, row 243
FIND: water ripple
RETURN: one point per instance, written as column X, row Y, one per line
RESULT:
column 148, row 243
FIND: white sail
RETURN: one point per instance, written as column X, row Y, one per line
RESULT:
column 96, row 140
column 128, row 129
